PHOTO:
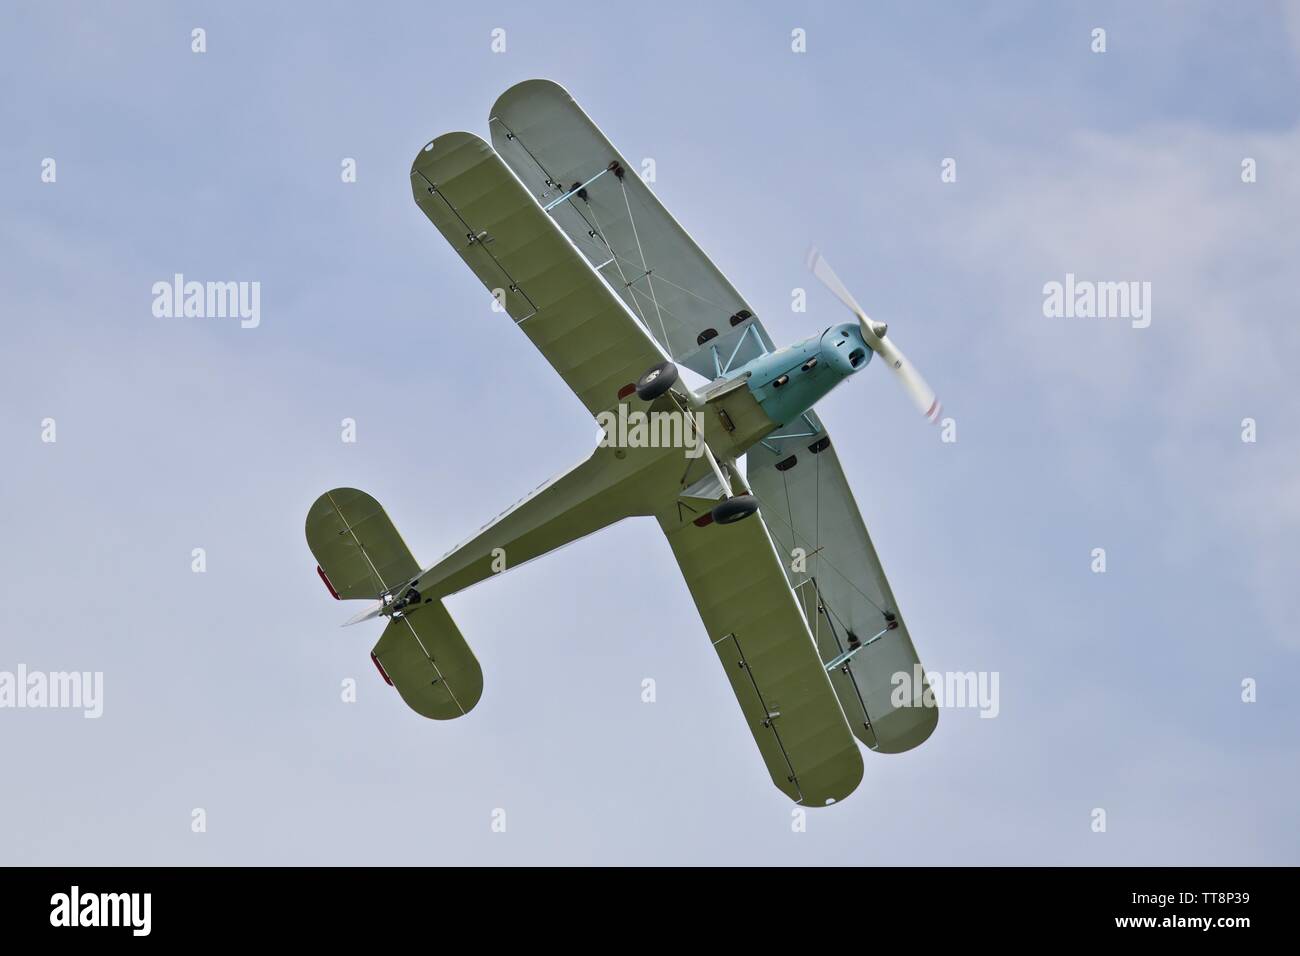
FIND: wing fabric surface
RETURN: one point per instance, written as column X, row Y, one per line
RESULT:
column 426, row 658
column 762, row 639
column 582, row 328
column 843, row 591
column 624, row 231
column 356, row 545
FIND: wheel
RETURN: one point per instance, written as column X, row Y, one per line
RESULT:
column 656, row 381
column 412, row 596
column 735, row 509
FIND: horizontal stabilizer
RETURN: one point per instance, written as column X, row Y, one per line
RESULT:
column 425, row 657
column 359, row 551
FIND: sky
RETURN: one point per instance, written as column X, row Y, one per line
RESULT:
column 225, row 737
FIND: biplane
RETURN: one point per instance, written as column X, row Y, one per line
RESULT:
column 614, row 293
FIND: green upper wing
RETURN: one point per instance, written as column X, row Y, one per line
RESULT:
column 680, row 296
column 545, row 285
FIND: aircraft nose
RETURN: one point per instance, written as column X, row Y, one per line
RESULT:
column 843, row 350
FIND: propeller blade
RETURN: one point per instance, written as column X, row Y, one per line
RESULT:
column 916, row 387
column 823, row 271
column 365, row 615
column 874, row 333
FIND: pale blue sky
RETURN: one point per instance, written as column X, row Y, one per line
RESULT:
column 1119, row 691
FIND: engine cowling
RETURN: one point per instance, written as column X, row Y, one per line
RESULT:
column 788, row 382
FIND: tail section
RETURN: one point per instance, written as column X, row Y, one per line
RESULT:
column 424, row 656
column 360, row 555
column 357, row 549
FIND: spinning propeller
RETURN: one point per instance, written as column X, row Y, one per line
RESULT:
column 922, row 395
column 366, row 615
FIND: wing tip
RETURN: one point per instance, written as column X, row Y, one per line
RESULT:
column 455, row 138
column 901, row 739
column 536, row 84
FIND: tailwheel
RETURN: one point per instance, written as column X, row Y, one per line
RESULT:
column 731, row 510
column 412, row 596
column 656, row 381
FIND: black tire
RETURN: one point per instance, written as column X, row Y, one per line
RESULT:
column 735, row 509
column 656, row 381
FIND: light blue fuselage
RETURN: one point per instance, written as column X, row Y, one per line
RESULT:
column 789, row 381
